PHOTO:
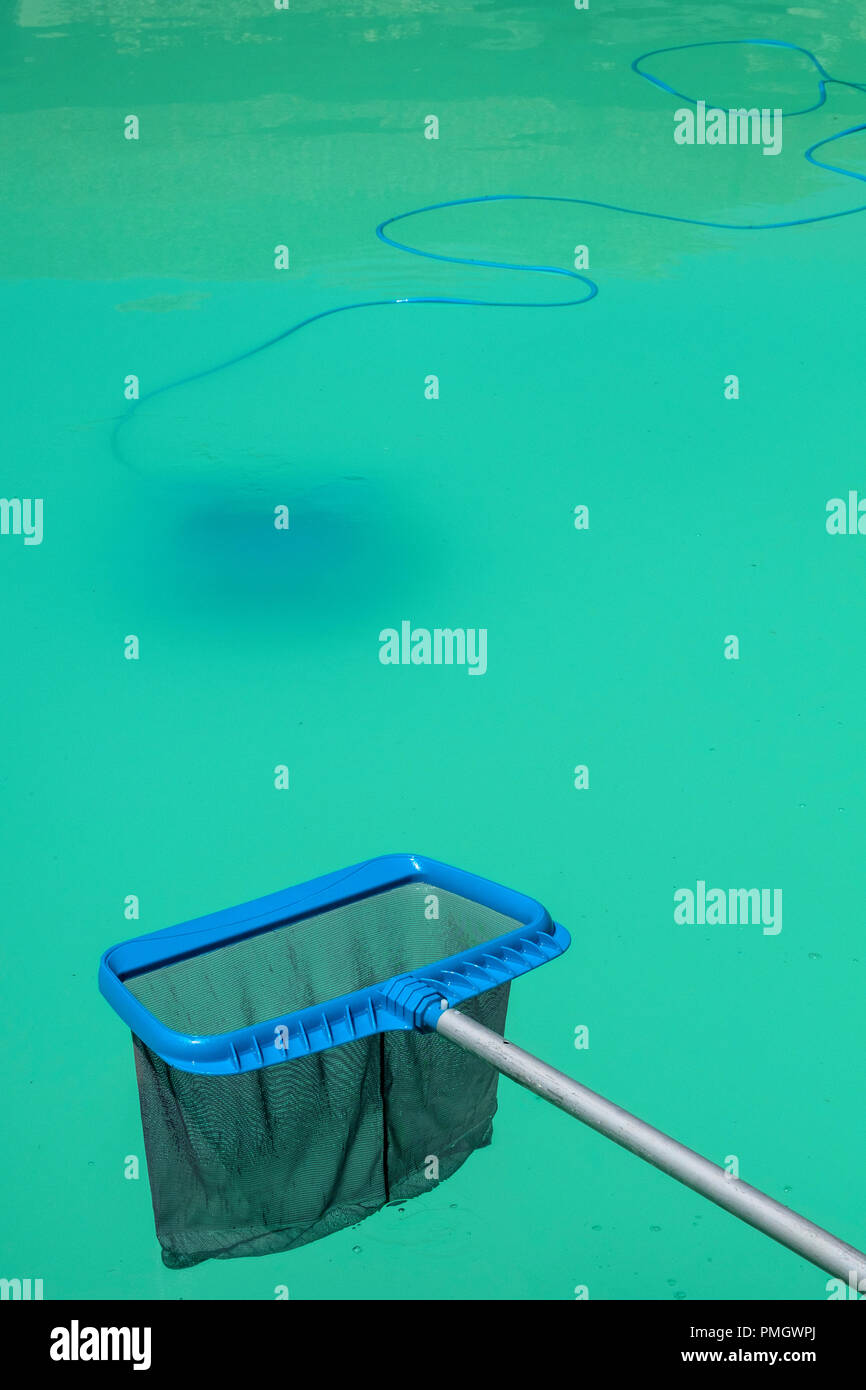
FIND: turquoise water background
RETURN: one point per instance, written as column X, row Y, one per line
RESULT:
column 605, row 647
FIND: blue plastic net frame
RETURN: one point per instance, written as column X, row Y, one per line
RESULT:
column 405, row 1000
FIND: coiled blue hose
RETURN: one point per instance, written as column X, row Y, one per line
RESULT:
column 589, row 287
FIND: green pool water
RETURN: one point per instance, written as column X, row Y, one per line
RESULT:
column 259, row 647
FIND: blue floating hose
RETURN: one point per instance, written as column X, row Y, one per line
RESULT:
column 590, row 288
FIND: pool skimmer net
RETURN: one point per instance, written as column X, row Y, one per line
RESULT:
column 310, row 1056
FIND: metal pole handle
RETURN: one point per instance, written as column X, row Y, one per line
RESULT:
column 673, row 1158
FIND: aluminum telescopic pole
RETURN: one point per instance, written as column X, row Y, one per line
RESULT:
column 673, row 1158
